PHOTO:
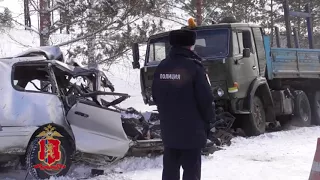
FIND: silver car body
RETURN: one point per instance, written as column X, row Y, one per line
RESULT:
column 100, row 131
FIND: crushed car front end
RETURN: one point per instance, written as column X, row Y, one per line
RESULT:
column 99, row 125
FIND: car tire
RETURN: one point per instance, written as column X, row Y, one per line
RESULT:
column 302, row 110
column 256, row 123
column 32, row 160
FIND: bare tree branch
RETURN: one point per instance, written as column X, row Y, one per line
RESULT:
column 172, row 19
column 125, row 15
column 34, row 5
column 183, row 2
column 209, row 14
column 28, row 28
column 59, row 4
column 189, row 11
column 85, row 36
column 16, row 40
column 63, row 25
column 114, row 56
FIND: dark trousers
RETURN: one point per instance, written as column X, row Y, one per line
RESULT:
column 189, row 159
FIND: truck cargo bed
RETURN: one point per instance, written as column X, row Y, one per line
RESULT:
column 292, row 63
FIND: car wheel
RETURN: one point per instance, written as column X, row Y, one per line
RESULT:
column 256, row 123
column 47, row 158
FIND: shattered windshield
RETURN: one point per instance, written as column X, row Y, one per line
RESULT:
column 209, row 44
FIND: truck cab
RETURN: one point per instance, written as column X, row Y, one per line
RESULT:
column 230, row 54
column 238, row 60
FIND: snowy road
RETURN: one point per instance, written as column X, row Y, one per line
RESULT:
column 272, row 156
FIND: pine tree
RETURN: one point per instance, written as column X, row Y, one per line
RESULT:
column 105, row 29
column 6, row 18
column 110, row 26
column 260, row 12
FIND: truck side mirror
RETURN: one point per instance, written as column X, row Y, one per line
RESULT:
column 136, row 56
column 246, row 52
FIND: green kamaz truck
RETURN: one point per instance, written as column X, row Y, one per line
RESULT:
column 257, row 84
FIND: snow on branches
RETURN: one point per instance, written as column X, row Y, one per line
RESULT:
column 110, row 26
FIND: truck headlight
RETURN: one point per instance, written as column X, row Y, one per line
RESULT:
column 218, row 91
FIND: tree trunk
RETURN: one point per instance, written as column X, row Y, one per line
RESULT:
column 233, row 8
column 272, row 23
column 90, row 41
column 27, row 20
column 44, row 26
column 52, row 13
column 299, row 22
column 199, row 12
column 64, row 18
column 45, row 22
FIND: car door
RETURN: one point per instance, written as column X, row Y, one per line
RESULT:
column 24, row 108
column 97, row 130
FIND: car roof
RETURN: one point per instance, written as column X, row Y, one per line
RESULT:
column 13, row 60
column 10, row 61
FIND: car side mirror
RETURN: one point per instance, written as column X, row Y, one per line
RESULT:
column 246, row 52
column 136, row 56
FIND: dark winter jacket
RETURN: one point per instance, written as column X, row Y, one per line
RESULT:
column 183, row 96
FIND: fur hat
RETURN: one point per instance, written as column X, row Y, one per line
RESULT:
column 182, row 37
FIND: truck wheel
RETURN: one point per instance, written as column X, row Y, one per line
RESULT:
column 256, row 124
column 302, row 110
column 38, row 168
column 315, row 107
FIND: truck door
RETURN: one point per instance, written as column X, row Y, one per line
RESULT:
column 246, row 68
column 258, row 39
column 157, row 50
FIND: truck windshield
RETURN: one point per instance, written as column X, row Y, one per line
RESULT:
column 211, row 43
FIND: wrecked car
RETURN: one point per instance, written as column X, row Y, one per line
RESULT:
column 53, row 112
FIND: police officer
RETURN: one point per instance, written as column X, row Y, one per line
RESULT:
column 183, row 97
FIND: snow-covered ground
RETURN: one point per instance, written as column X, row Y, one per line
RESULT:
column 273, row 156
